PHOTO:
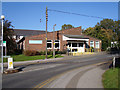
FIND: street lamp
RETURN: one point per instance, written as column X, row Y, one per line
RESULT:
column 54, row 40
column 2, row 17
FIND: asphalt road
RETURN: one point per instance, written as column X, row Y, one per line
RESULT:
column 33, row 77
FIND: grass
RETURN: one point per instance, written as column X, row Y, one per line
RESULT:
column 110, row 78
column 27, row 58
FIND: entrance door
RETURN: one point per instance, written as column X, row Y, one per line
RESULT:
column 76, row 46
column 80, row 47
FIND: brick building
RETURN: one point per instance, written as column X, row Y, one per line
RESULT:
column 69, row 38
column 20, row 34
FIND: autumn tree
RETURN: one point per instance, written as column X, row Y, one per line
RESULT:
column 106, row 30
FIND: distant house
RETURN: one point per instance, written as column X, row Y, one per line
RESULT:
column 64, row 39
column 20, row 34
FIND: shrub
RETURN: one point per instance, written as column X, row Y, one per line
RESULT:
column 50, row 52
column 61, row 52
column 30, row 52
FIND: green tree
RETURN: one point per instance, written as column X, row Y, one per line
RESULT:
column 8, row 37
column 68, row 26
column 107, row 30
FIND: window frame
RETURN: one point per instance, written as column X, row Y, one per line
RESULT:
column 55, row 43
column 93, row 44
column 98, row 44
column 51, row 44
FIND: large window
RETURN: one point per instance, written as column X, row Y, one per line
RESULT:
column 80, row 44
column 91, row 43
column 86, row 44
column 35, row 41
column 97, row 44
column 49, row 44
column 74, row 44
column 57, row 44
column 69, row 44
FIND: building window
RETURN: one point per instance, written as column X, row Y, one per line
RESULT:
column 91, row 43
column 80, row 44
column 49, row 44
column 57, row 44
column 35, row 41
column 69, row 44
column 74, row 44
column 86, row 44
column 97, row 44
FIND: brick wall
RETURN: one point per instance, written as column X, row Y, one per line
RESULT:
column 58, row 36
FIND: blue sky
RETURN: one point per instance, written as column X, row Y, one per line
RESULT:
column 27, row 15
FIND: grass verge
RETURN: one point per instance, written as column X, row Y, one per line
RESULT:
column 27, row 58
column 110, row 78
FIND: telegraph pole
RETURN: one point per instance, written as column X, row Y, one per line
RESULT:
column 46, row 29
column 54, row 41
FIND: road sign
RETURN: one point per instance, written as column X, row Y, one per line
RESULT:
column 10, row 63
column 4, row 43
column 6, row 56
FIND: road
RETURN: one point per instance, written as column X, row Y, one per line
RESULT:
column 43, row 71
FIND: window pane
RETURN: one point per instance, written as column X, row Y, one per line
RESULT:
column 56, row 40
column 69, row 44
column 74, row 44
column 74, row 50
column 97, row 44
column 80, row 44
column 49, row 41
column 86, row 44
column 91, row 44
column 49, row 45
column 56, row 45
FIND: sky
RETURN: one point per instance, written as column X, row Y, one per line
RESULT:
column 27, row 15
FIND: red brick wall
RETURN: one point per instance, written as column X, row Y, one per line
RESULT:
column 58, row 36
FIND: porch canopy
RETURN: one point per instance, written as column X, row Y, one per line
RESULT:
column 75, row 37
column 76, row 42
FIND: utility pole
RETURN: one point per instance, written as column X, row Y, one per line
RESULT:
column 54, row 41
column 2, row 67
column 46, row 29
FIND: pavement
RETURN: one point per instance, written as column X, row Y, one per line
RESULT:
column 85, row 77
column 52, row 59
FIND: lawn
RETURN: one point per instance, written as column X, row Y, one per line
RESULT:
column 27, row 58
column 110, row 78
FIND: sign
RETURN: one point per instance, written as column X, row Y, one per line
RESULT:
column 10, row 63
column 6, row 56
column 35, row 41
column 4, row 43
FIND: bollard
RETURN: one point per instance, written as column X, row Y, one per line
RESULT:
column 114, row 62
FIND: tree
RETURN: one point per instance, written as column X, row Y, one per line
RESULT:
column 107, row 30
column 106, row 24
column 8, row 37
column 68, row 26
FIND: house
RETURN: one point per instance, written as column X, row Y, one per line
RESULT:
column 63, row 39
column 20, row 34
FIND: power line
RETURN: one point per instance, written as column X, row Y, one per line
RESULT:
column 76, row 14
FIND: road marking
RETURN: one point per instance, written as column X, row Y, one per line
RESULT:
column 55, row 77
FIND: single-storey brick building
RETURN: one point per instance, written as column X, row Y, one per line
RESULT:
column 69, row 38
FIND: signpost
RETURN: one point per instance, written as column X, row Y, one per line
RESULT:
column 10, row 63
column 4, row 45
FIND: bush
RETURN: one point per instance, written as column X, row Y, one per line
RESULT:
column 33, row 52
column 30, row 52
column 61, row 52
column 50, row 52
